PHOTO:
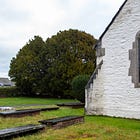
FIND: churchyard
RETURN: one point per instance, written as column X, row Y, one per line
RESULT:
column 93, row 128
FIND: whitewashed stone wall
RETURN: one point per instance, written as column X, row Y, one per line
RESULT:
column 113, row 92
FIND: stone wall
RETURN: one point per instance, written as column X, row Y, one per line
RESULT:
column 113, row 92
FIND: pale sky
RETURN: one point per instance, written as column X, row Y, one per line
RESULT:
column 21, row 20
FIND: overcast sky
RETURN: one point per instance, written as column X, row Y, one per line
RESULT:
column 20, row 20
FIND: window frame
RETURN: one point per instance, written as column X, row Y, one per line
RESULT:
column 134, row 57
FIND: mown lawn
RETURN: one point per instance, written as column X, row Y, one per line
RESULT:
column 31, row 101
column 94, row 128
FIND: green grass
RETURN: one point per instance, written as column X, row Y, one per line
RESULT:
column 94, row 127
column 31, row 101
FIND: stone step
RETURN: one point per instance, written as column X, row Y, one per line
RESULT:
column 62, row 121
column 9, row 133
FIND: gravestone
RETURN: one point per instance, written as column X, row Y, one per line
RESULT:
column 20, row 113
column 9, row 133
column 72, row 105
column 62, row 121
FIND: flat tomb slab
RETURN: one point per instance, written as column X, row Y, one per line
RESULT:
column 73, row 105
column 19, row 131
column 63, row 121
column 49, row 108
column 42, row 109
column 20, row 113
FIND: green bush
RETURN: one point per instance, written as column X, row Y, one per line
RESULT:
column 8, row 92
column 78, row 87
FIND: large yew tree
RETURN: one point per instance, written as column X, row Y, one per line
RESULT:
column 25, row 68
column 49, row 67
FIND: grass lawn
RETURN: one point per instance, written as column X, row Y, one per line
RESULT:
column 94, row 128
column 31, row 101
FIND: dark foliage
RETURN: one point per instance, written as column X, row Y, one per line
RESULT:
column 49, row 67
column 78, row 86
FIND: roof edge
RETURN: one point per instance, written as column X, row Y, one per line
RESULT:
column 113, row 19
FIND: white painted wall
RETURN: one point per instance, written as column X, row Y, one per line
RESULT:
column 113, row 92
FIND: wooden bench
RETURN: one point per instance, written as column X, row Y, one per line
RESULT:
column 62, row 121
column 9, row 133
column 20, row 113
column 72, row 105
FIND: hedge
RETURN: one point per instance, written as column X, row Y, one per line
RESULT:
column 8, row 92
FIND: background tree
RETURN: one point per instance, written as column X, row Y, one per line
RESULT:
column 25, row 68
column 49, row 67
column 70, row 53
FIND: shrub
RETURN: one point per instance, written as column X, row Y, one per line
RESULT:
column 8, row 92
column 78, row 86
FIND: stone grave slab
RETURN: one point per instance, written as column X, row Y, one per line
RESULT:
column 72, row 105
column 62, row 121
column 9, row 133
column 20, row 113
column 43, row 109
column 49, row 108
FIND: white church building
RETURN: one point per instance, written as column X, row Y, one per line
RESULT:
column 114, row 87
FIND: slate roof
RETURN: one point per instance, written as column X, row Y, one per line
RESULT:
column 5, row 82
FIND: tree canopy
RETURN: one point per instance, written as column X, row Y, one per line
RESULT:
column 50, row 66
column 25, row 68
